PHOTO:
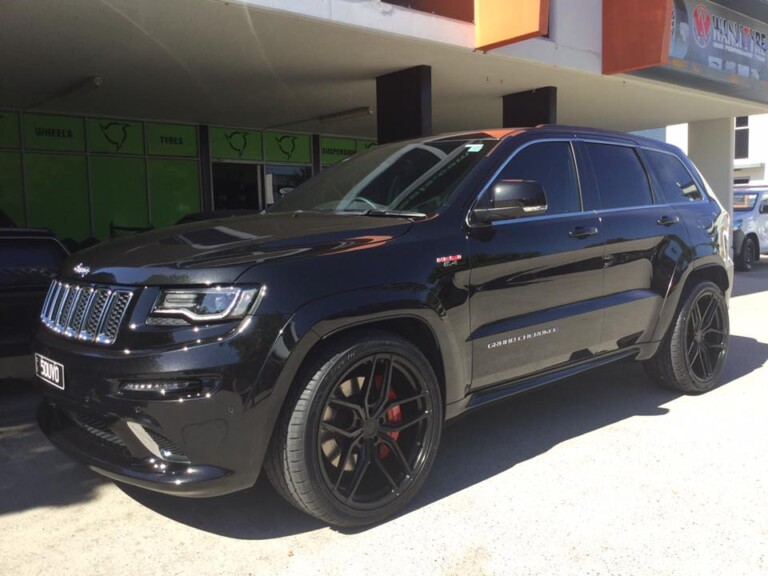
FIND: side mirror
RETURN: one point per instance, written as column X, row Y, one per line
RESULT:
column 764, row 209
column 513, row 199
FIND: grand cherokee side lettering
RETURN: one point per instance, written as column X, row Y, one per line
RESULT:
column 523, row 337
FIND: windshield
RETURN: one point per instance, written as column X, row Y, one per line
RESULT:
column 744, row 202
column 412, row 177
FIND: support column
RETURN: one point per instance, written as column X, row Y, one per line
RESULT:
column 711, row 147
column 404, row 104
column 530, row 108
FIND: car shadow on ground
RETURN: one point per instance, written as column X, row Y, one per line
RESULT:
column 474, row 448
column 32, row 472
column 752, row 282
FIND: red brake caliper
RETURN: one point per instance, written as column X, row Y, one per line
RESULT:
column 393, row 415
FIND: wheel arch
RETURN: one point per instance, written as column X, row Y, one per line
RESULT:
column 753, row 236
column 413, row 329
column 412, row 313
column 712, row 272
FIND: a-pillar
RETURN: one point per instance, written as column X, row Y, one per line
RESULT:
column 404, row 104
column 711, row 147
column 530, row 108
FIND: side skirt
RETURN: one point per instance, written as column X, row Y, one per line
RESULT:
column 507, row 389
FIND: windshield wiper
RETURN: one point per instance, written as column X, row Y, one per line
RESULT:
column 393, row 213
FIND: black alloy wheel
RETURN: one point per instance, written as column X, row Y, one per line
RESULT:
column 692, row 355
column 705, row 336
column 358, row 438
column 373, row 431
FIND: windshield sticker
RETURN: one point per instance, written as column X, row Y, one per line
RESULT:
column 474, row 147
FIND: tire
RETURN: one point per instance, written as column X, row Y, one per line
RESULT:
column 747, row 256
column 692, row 355
column 359, row 431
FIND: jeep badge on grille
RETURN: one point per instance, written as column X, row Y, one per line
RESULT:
column 82, row 270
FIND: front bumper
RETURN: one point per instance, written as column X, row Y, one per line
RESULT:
column 204, row 445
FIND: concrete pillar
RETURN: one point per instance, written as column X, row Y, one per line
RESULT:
column 404, row 104
column 530, row 108
column 711, row 145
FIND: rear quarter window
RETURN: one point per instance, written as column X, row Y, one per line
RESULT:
column 674, row 181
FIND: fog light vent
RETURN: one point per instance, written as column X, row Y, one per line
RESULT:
column 168, row 389
column 161, row 388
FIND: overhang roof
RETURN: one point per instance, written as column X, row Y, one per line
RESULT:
column 220, row 63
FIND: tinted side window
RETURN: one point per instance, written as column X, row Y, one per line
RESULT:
column 675, row 182
column 621, row 178
column 551, row 165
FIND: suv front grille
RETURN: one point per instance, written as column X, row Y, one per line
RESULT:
column 85, row 312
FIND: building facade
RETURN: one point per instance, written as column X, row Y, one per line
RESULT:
column 119, row 115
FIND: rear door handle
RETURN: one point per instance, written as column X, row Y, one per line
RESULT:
column 668, row 220
column 583, row 232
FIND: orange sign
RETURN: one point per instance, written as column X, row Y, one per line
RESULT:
column 636, row 34
column 502, row 22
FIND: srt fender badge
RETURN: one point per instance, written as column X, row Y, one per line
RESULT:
column 447, row 261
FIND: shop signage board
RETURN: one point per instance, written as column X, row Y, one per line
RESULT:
column 363, row 145
column 9, row 130
column 115, row 136
column 287, row 147
column 57, row 133
column 711, row 42
column 235, row 144
column 334, row 149
column 171, row 140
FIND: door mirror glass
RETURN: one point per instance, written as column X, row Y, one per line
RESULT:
column 513, row 199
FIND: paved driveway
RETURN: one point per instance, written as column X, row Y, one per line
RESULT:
column 601, row 474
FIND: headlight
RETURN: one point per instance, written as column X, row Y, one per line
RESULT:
column 205, row 304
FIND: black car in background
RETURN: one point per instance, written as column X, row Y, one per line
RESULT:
column 328, row 339
column 29, row 260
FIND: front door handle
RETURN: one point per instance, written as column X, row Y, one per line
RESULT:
column 583, row 232
column 668, row 220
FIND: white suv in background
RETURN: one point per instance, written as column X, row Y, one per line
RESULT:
column 750, row 225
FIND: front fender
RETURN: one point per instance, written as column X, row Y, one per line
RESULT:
column 324, row 318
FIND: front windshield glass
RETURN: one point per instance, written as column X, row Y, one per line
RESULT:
column 744, row 202
column 416, row 177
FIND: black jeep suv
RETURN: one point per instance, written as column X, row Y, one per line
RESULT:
column 328, row 339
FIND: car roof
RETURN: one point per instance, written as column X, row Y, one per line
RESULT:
column 558, row 130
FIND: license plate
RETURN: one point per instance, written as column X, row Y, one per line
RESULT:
column 49, row 371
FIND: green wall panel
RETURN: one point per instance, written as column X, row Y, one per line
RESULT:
column 115, row 136
column 333, row 149
column 119, row 192
column 12, row 187
column 9, row 130
column 43, row 132
column 57, row 193
column 171, row 140
column 174, row 187
column 235, row 144
column 288, row 147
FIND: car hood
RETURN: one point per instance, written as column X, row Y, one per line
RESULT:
column 218, row 251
